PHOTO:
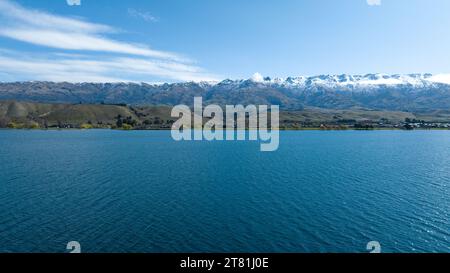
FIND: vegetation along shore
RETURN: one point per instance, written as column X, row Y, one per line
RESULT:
column 30, row 115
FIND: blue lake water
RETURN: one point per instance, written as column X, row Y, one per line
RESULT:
column 140, row 191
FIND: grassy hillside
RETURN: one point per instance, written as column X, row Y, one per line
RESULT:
column 52, row 115
column 16, row 114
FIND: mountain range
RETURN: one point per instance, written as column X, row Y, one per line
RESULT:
column 409, row 93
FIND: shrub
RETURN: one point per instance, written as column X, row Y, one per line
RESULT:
column 86, row 126
column 126, row 126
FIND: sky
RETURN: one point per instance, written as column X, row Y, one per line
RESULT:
column 204, row 40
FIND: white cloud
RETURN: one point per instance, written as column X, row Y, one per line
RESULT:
column 144, row 15
column 74, row 2
column 85, row 68
column 38, row 19
column 81, row 41
column 374, row 2
column 44, row 29
column 119, row 61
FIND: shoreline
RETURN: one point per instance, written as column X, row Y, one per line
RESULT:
column 165, row 129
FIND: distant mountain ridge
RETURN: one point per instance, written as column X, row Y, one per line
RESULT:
column 413, row 92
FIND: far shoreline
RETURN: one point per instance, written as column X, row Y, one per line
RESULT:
column 165, row 129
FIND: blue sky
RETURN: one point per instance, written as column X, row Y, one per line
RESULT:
column 179, row 40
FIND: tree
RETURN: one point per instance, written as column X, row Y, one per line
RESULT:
column 119, row 122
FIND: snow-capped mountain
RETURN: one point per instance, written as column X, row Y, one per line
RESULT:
column 413, row 92
column 345, row 81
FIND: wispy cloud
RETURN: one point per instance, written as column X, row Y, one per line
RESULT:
column 19, row 16
column 123, row 61
column 45, row 29
column 144, row 15
column 374, row 2
column 86, row 68
column 81, row 41
column 74, row 2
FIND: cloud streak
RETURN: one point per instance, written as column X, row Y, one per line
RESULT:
column 49, row 30
column 144, row 15
column 80, row 68
column 81, row 41
column 40, row 19
column 123, row 61
column 74, row 2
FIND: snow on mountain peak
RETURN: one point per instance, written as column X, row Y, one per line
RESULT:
column 257, row 77
column 440, row 78
column 368, row 80
column 344, row 81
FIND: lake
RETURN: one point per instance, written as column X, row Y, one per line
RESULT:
column 140, row 191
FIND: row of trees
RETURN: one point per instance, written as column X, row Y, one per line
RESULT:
column 130, row 123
